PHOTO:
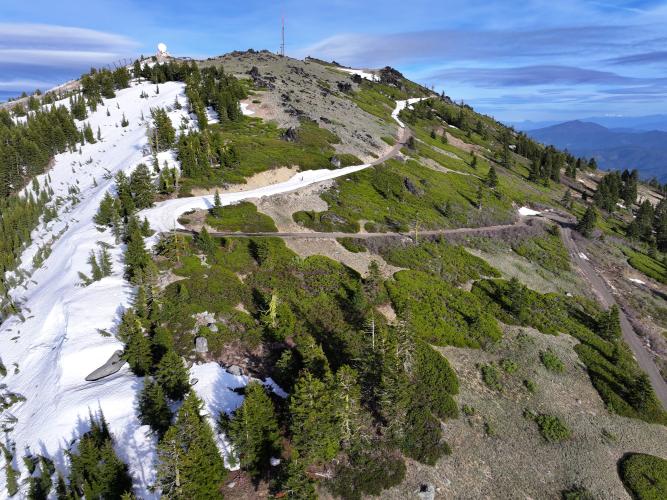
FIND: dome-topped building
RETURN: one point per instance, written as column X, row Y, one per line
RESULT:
column 162, row 53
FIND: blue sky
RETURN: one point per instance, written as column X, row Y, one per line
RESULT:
column 537, row 59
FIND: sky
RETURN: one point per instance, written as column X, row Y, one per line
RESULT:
column 533, row 60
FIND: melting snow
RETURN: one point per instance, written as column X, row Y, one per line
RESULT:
column 59, row 343
column 67, row 330
column 215, row 386
column 528, row 212
column 583, row 256
column 638, row 281
column 245, row 110
column 363, row 74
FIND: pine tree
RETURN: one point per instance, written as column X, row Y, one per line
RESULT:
column 492, row 178
column 480, row 196
column 254, row 430
column 217, row 204
column 314, row 424
column 96, row 471
column 172, row 375
column 205, row 242
column 99, row 133
column 96, row 271
column 105, row 262
column 124, row 121
column 142, row 187
column 609, row 324
column 587, row 223
column 138, row 353
column 349, row 411
column 139, row 267
column 88, row 134
column 153, row 408
column 566, row 201
column 189, row 464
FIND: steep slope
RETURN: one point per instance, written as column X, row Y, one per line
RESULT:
column 61, row 338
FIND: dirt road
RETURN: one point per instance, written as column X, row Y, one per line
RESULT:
column 603, row 292
column 363, row 236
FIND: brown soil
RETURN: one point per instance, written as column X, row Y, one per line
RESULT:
column 517, row 462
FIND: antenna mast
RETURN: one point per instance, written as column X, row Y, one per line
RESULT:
column 282, row 43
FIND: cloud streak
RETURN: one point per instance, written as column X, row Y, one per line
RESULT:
column 37, row 54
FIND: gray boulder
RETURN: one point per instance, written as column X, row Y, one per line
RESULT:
column 235, row 370
column 113, row 364
column 201, row 345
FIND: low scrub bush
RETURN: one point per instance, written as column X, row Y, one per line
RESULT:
column 644, row 476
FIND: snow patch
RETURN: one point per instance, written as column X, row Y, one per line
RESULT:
column 68, row 329
column 528, row 212
column 245, row 110
column 638, row 281
column 215, row 386
column 583, row 256
column 362, row 73
column 401, row 105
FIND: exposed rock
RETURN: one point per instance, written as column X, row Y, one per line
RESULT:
column 290, row 135
column 412, row 188
column 201, row 345
column 335, row 162
column 426, row 491
column 344, row 86
column 113, row 364
column 235, row 370
column 332, row 218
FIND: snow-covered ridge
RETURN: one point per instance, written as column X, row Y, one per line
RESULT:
column 59, row 343
column 68, row 329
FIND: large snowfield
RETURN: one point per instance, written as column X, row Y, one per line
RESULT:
column 69, row 330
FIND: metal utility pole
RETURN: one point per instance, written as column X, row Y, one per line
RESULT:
column 282, row 38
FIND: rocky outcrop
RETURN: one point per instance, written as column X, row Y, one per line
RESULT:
column 113, row 364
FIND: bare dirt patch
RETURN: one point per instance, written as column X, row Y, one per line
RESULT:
column 281, row 207
column 514, row 461
column 261, row 179
column 334, row 250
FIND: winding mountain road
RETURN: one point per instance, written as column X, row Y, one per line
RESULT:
column 604, row 294
column 363, row 236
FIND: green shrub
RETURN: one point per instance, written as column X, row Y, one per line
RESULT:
column 451, row 262
column 353, row 245
column 491, row 377
column 577, row 493
column 509, row 366
column 422, row 439
column 644, row 476
column 440, row 313
column 530, row 386
column 551, row 361
column 546, row 251
column 647, row 265
column 325, row 222
column 368, row 472
column 552, row 428
column 242, row 217
column 468, row 410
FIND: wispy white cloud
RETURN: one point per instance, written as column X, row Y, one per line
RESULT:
column 25, row 84
column 62, row 46
column 40, row 55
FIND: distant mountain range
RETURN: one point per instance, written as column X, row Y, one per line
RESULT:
column 618, row 148
column 623, row 123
